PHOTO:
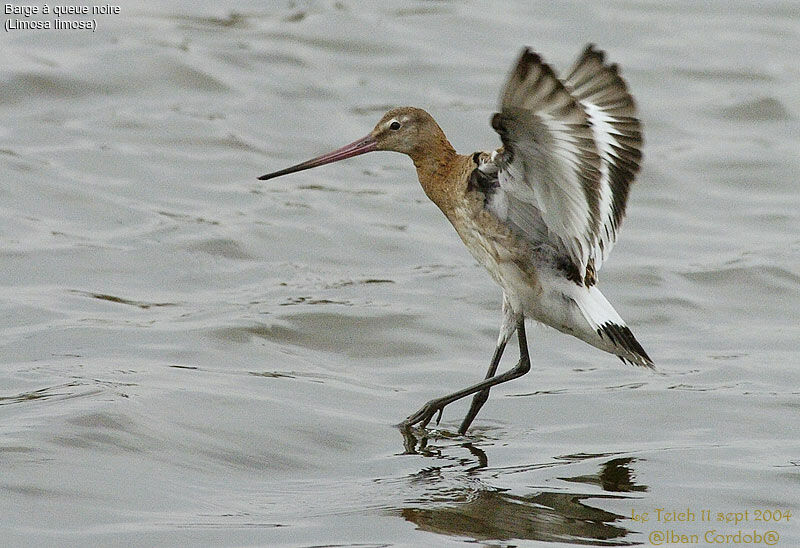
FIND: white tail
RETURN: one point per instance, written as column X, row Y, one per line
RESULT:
column 608, row 329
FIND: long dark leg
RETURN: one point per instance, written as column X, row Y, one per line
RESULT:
column 426, row 413
column 507, row 329
column 480, row 398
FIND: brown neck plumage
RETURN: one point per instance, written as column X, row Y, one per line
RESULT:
column 435, row 160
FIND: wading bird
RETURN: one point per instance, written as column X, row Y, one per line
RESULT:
column 541, row 213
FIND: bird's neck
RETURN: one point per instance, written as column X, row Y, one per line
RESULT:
column 435, row 165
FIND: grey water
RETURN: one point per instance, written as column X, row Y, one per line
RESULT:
column 189, row 356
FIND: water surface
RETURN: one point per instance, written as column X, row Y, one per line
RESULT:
column 191, row 356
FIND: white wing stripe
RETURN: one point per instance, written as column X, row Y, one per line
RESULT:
column 570, row 151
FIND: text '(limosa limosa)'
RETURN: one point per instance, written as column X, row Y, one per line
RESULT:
column 541, row 213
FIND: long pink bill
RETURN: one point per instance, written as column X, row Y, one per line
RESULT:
column 362, row 146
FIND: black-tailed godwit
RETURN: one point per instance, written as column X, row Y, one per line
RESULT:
column 541, row 213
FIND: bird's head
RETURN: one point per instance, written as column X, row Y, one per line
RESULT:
column 409, row 130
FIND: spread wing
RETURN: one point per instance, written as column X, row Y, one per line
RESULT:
column 570, row 151
column 617, row 134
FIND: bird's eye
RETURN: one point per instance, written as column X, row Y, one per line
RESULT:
column 394, row 125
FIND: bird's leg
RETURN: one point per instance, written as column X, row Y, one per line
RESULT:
column 427, row 411
column 480, row 398
column 507, row 329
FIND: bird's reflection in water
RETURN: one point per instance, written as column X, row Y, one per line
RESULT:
column 420, row 446
column 469, row 506
column 615, row 476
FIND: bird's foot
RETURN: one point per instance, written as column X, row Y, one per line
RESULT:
column 425, row 414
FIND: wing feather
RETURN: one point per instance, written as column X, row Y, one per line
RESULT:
column 571, row 150
column 611, row 112
column 550, row 163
